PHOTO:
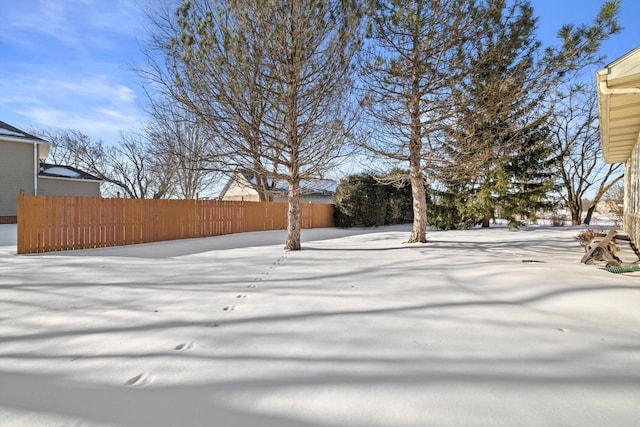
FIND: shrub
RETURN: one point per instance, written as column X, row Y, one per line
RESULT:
column 360, row 201
column 363, row 201
column 558, row 220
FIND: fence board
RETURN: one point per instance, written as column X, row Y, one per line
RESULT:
column 65, row 223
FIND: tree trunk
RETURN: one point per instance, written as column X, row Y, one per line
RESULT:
column 575, row 217
column 576, row 213
column 294, row 218
column 587, row 218
column 485, row 221
column 419, row 231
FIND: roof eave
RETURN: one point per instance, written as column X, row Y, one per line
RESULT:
column 619, row 151
column 67, row 178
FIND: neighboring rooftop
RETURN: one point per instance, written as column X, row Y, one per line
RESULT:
column 320, row 187
column 48, row 170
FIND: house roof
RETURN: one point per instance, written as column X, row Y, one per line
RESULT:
column 6, row 130
column 48, row 170
column 320, row 187
column 619, row 106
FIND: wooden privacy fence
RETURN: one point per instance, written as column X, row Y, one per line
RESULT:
column 64, row 223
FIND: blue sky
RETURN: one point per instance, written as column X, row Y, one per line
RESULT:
column 67, row 63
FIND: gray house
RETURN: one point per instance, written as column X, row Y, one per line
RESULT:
column 60, row 180
column 23, row 171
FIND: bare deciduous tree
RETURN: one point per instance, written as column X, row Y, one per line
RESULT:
column 580, row 168
column 271, row 79
column 178, row 139
column 222, row 87
column 129, row 167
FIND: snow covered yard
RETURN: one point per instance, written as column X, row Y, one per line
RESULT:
column 357, row 329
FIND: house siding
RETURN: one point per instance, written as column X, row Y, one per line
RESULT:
column 67, row 187
column 631, row 221
column 240, row 189
column 320, row 200
column 16, row 174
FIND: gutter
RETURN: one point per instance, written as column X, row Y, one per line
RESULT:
column 605, row 90
column 65, row 178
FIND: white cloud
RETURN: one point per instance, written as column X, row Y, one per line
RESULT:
column 78, row 24
column 66, row 65
column 98, row 105
column 114, row 115
column 95, row 86
column 104, row 124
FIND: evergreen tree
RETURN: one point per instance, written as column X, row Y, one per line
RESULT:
column 499, row 154
column 497, row 126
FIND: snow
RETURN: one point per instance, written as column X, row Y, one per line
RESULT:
column 307, row 186
column 357, row 329
column 8, row 236
column 7, row 132
column 62, row 171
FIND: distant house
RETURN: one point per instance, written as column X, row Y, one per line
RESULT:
column 619, row 116
column 60, row 180
column 242, row 186
column 23, row 171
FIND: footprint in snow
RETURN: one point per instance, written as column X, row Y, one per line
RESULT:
column 251, row 286
column 241, row 296
column 229, row 308
column 185, row 346
column 139, row 380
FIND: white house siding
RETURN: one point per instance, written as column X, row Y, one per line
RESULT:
column 632, row 195
column 16, row 174
column 240, row 189
column 306, row 199
column 618, row 89
column 319, row 200
column 252, row 196
column 48, row 186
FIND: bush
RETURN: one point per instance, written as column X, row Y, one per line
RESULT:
column 362, row 201
column 557, row 220
column 400, row 204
